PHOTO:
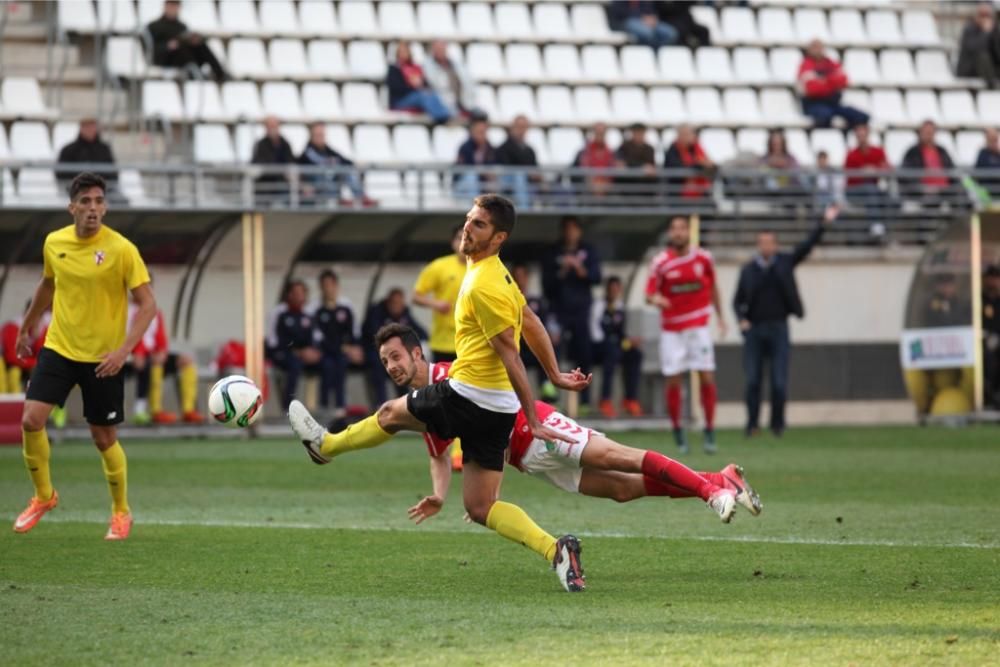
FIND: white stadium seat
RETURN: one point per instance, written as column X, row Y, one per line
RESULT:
column 628, row 104
column 124, row 57
column 638, row 63
column 958, row 108
column 247, row 58
column 372, row 144
column 887, row 108
column 708, row 17
column 922, row 105
column 486, row 62
column 242, row 100
column 750, row 65
column 29, row 140
column 203, row 102
column 919, row 27
column 397, row 19
column 412, row 144
column 858, row 98
column 785, row 64
column 600, row 63
column 896, row 143
column 831, row 141
column 988, row 105
column 564, row 144
column 297, row 135
column 199, row 17
column 213, row 144
column 513, row 21
column 592, row 104
column 22, row 96
column 446, row 141
column 780, row 107
column 933, row 68
column 751, row 140
column 515, row 100
column 475, row 20
column 551, row 21
column 968, row 143
column 524, row 62
column 883, row 27
column 4, row 146
column 366, row 60
column 8, row 189
column 281, row 99
column 338, row 137
column 799, row 147
column 741, row 106
column 718, row 144
column 704, row 106
column 436, row 19
column 36, row 186
column 810, row 24
column 486, row 99
column 945, row 139
column 162, row 99
column 238, row 17
column 130, row 183
column 537, row 140
column 739, row 25
column 288, row 57
column 562, row 61
column 357, row 19
column 713, row 65
column 245, row 135
column 775, row 25
column 361, row 102
column 861, row 67
column 149, row 10
column 847, row 27
column 590, row 23
column 317, row 18
column 280, row 18
column 666, row 106
column 555, row 105
column 117, row 16
column 897, row 67
column 321, row 100
column 326, row 58
column 677, row 64
column 76, row 16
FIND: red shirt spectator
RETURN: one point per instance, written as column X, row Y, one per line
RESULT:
column 687, row 153
column 866, row 157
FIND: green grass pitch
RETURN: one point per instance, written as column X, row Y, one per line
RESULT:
column 876, row 546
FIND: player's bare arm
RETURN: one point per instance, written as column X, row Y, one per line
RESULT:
column 658, row 300
column 146, row 311
column 428, row 301
column 40, row 302
column 440, row 481
column 540, row 343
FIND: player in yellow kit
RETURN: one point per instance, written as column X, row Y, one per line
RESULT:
column 88, row 272
column 437, row 288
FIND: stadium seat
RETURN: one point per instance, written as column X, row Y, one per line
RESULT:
column 887, row 108
column 639, row 64
column 36, row 186
column 64, row 132
column 847, row 27
column 945, row 139
column 317, row 18
column 555, row 106
column 799, row 146
column 896, row 66
column 785, row 64
column 896, row 143
column 750, row 65
column 475, row 21
column 666, row 106
column 775, row 25
column 958, row 108
column 524, row 62
column 247, row 58
column 8, row 188
column 29, row 140
column 920, row 28
column 130, row 184
column 600, row 63
column 4, row 146
column 968, row 143
column 988, row 105
column 751, row 140
column 590, row 23
column 278, row 17
column 397, row 19
column 281, row 99
column 203, row 102
column 562, row 62
column 412, row 144
column 326, row 58
column 831, row 141
column 238, row 17
column 372, row 144
column 741, row 107
column 22, row 98
column 338, row 137
column 297, row 135
column 537, row 140
column 592, row 104
column 357, row 19
column 366, row 60
column 708, row 17
column 677, row 64
column 564, row 144
column 485, row 62
column 858, row 98
column 436, row 19
column 933, row 69
column 321, row 100
column 76, row 16
column 446, row 141
column 288, row 58
column 242, row 100
column 718, row 144
column 199, row 17
column 810, row 24
column 117, row 16
column 883, row 27
column 361, row 102
column 148, row 10
column 162, row 99
column 704, row 106
column 486, row 99
column 551, row 21
column 245, row 135
column 628, row 104
column 514, row 100
column 124, row 57
column 780, row 107
column 713, row 66
column 213, row 144
column 861, row 67
column 513, row 21
column 738, row 25
column 922, row 105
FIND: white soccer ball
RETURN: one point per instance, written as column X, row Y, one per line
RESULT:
column 235, row 401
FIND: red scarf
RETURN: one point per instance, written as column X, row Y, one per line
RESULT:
column 694, row 186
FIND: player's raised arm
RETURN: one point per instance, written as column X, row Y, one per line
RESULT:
column 538, row 340
column 40, row 302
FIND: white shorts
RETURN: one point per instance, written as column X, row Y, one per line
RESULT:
column 558, row 462
column 688, row 350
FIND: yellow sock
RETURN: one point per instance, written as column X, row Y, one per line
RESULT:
column 3, row 378
column 155, row 389
column 116, row 471
column 512, row 522
column 363, row 435
column 36, row 460
column 188, row 381
column 14, row 379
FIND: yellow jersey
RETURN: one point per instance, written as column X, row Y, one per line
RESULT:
column 442, row 279
column 488, row 303
column 93, row 277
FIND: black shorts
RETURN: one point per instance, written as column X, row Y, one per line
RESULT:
column 55, row 376
column 484, row 433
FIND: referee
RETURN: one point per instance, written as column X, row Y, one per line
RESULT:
column 88, row 272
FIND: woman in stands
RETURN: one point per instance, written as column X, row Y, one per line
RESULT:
column 408, row 89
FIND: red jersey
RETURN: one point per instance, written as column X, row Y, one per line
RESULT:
column 687, row 281
column 154, row 339
column 436, row 446
column 8, row 343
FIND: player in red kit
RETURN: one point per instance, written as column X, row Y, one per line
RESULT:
column 682, row 284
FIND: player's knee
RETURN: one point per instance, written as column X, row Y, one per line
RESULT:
column 478, row 511
column 621, row 495
column 32, row 420
column 104, row 438
column 388, row 417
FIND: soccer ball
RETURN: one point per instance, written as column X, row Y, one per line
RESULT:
column 235, row 401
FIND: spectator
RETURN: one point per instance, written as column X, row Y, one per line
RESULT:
column 988, row 161
column 540, row 307
column 451, row 81
column 596, row 155
column 929, row 158
column 991, row 335
column 828, row 187
column 613, row 347
column 821, row 82
column 408, row 89
column 641, row 22
column 979, row 46
column 475, row 152
column 437, row 288
column 678, row 15
column 272, row 149
column 635, row 153
column 515, row 152
column 292, row 340
column 391, row 309
column 326, row 186
column 570, row 269
column 863, row 188
column 89, row 148
column 687, row 153
column 334, row 320
column 176, row 46
column 945, row 307
column 784, row 180
column 765, row 296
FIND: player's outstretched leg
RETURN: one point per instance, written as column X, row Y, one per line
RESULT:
column 321, row 445
column 567, row 564
column 745, row 494
column 309, row 431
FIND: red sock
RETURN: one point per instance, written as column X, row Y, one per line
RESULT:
column 655, row 487
column 708, row 396
column 667, row 470
column 674, row 400
column 716, row 478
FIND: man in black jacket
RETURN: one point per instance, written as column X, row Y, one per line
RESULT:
column 322, row 187
column 515, row 152
column 272, row 149
column 89, row 148
column 175, row 46
column 765, row 296
column 927, row 163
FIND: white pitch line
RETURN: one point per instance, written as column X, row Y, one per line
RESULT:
column 747, row 539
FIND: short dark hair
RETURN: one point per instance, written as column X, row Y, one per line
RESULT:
column 84, row 181
column 637, row 127
column 613, row 279
column 686, row 219
column 503, row 215
column 328, row 274
column 568, row 220
column 406, row 335
column 290, row 284
column 394, row 291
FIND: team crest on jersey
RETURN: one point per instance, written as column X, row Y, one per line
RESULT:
column 699, row 269
column 98, row 257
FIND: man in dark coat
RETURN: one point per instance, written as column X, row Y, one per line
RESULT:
column 176, row 46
